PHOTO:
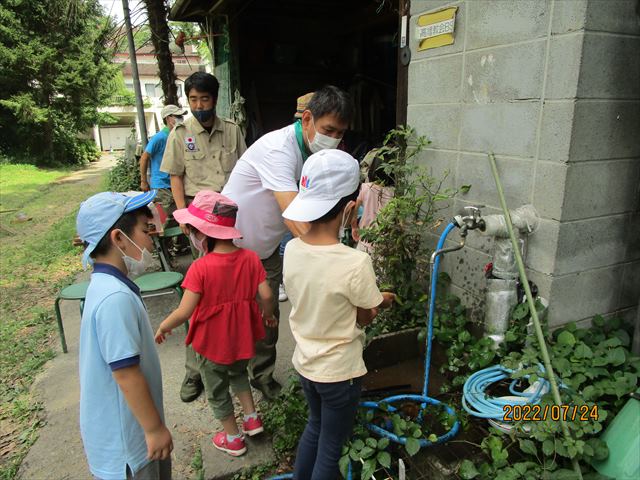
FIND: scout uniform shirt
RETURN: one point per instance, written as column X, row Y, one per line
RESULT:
column 204, row 160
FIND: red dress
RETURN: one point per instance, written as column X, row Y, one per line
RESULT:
column 227, row 322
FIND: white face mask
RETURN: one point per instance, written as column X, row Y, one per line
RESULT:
column 135, row 268
column 321, row 141
column 198, row 243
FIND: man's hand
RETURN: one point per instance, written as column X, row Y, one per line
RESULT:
column 144, row 185
column 159, row 443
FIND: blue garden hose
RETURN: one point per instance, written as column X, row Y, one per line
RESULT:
column 476, row 401
column 423, row 399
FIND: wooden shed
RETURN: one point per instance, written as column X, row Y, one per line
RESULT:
column 272, row 51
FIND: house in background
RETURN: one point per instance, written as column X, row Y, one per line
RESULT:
column 113, row 136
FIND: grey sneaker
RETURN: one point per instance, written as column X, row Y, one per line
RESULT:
column 270, row 391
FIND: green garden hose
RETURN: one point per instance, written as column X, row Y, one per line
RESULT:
column 532, row 309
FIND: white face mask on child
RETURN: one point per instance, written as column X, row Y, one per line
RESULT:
column 135, row 268
column 200, row 244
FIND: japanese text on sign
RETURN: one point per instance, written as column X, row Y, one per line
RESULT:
column 435, row 29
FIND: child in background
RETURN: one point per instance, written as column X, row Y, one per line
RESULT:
column 333, row 294
column 121, row 409
column 374, row 195
column 220, row 298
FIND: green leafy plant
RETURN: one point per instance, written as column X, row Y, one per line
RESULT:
column 401, row 255
column 259, row 472
column 595, row 369
column 196, row 464
column 370, row 454
column 286, row 418
column 124, row 176
column 366, row 453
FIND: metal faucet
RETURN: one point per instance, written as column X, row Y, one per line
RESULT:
column 470, row 219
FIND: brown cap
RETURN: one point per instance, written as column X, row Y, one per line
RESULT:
column 302, row 103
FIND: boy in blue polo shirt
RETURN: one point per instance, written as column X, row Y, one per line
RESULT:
column 121, row 410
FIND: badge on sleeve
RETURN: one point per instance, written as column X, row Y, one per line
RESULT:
column 190, row 142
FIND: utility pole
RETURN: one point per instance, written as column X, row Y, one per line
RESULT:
column 134, row 72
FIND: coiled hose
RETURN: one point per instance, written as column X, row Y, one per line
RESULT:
column 476, row 401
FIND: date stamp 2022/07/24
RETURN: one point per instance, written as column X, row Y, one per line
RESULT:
column 539, row 413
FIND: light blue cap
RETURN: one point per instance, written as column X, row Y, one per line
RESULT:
column 100, row 212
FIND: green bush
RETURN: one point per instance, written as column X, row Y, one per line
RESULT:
column 124, row 176
column 83, row 151
column 401, row 256
column 286, row 418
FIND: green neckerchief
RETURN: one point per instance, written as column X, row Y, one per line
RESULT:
column 301, row 145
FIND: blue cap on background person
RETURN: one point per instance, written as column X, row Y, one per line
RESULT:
column 100, row 212
column 327, row 177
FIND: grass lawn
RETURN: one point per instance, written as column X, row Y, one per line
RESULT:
column 36, row 259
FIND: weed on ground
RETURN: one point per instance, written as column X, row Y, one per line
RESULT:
column 36, row 259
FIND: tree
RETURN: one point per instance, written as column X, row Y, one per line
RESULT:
column 55, row 70
column 157, row 13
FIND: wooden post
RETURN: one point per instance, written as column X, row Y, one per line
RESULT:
column 402, row 79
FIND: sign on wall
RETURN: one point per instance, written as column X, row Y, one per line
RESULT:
column 436, row 29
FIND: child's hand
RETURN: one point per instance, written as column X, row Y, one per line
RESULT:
column 270, row 321
column 364, row 316
column 388, row 299
column 161, row 334
column 159, row 443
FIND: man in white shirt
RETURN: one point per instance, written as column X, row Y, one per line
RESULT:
column 263, row 184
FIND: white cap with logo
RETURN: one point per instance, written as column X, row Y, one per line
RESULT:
column 327, row 176
column 172, row 110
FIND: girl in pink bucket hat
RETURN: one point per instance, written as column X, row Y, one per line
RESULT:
column 226, row 321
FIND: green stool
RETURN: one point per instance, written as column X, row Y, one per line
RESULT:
column 161, row 243
column 149, row 283
column 77, row 291
column 157, row 281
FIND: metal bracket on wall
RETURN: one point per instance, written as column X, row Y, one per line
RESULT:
column 405, row 55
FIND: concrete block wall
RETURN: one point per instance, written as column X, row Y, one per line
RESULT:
column 552, row 87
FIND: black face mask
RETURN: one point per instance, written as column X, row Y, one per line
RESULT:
column 204, row 115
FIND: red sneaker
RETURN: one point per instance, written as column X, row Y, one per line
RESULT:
column 235, row 448
column 253, row 426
